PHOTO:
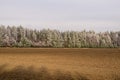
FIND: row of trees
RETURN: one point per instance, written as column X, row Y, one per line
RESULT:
column 22, row 37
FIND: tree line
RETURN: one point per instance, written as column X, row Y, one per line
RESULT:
column 11, row 36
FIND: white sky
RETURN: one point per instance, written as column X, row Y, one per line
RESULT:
column 98, row 15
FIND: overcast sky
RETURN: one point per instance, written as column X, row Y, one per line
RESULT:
column 98, row 15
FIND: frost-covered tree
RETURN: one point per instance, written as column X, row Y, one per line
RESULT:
column 23, row 37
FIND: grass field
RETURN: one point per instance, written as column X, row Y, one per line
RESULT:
column 96, row 64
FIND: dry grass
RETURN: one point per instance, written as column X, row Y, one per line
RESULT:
column 21, row 73
column 96, row 64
